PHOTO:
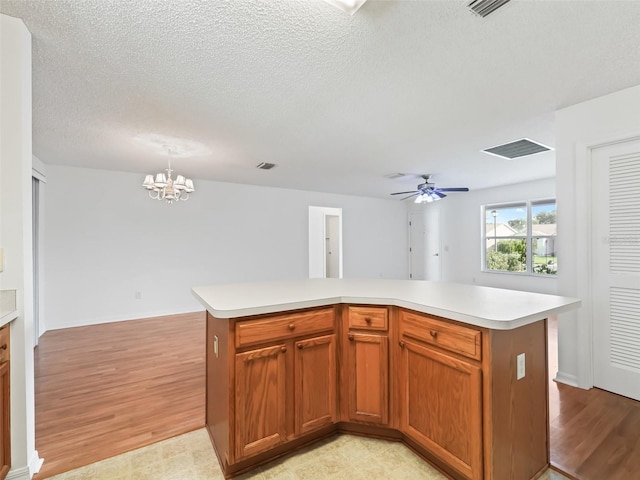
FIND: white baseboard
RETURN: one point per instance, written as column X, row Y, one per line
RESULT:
column 566, row 378
column 27, row 472
column 21, row 473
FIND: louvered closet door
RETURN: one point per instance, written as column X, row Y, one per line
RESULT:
column 616, row 267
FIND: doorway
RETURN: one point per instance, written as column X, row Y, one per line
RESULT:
column 325, row 242
column 424, row 244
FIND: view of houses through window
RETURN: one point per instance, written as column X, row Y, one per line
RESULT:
column 521, row 237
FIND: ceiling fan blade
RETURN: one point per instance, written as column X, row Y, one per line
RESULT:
column 438, row 193
column 402, row 193
column 459, row 189
column 413, row 195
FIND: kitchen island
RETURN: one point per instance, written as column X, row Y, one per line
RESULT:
column 456, row 372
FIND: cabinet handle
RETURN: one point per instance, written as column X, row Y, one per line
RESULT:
column 283, row 349
column 292, row 326
column 434, row 334
column 351, row 337
column 401, row 343
column 3, row 347
column 368, row 320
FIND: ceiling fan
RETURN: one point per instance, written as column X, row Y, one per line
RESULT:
column 428, row 192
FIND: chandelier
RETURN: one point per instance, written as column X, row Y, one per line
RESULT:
column 166, row 188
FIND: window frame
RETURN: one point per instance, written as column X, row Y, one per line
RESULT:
column 528, row 237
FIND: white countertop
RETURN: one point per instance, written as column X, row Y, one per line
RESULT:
column 494, row 308
column 8, row 311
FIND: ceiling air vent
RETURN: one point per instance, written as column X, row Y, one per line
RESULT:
column 393, row 176
column 266, row 166
column 485, row 7
column 519, row 148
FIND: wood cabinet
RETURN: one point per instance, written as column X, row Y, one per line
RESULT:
column 367, row 365
column 442, row 406
column 271, row 383
column 5, row 426
column 446, row 388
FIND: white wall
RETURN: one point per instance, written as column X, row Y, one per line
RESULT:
column 461, row 230
column 105, row 239
column 15, row 234
column 578, row 128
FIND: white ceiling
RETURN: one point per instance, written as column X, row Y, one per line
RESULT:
column 336, row 101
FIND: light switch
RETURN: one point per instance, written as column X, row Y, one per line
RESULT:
column 1, row 259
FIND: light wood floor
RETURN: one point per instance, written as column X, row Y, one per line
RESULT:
column 595, row 435
column 108, row 389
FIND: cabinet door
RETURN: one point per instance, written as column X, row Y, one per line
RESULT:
column 260, row 400
column 367, row 375
column 315, row 383
column 442, row 400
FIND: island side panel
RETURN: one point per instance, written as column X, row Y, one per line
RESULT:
column 218, row 392
column 519, row 408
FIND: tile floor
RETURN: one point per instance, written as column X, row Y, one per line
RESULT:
column 191, row 457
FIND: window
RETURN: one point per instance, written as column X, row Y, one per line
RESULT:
column 521, row 238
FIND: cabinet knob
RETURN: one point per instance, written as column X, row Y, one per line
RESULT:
column 300, row 346
column 401, row 343
column 434, row 334
column 3, row 346
column 292, row 326
column 283, row 349
column 351, row 337
column 368, row 320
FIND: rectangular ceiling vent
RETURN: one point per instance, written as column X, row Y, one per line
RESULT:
column 519, row 148
column 266, row 166
column 485, row 7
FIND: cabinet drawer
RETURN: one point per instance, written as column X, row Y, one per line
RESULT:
column 4, row 343
column 368, row 318
column 252, row 332
column 455, row 338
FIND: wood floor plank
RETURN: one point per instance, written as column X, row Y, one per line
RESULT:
column 107, row 389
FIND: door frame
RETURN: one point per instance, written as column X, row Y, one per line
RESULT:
column 317, row 243
column 584, row 253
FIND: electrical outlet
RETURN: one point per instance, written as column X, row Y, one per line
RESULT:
column 520, row 366
column 138, row 295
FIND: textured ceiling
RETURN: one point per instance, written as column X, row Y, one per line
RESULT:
column 336, row 101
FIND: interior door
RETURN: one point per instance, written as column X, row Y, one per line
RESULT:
column 432, row 242
column 615, row 217
column 416, row 246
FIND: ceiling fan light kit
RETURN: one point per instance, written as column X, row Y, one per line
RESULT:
column 164, row 187
column 428, row 192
